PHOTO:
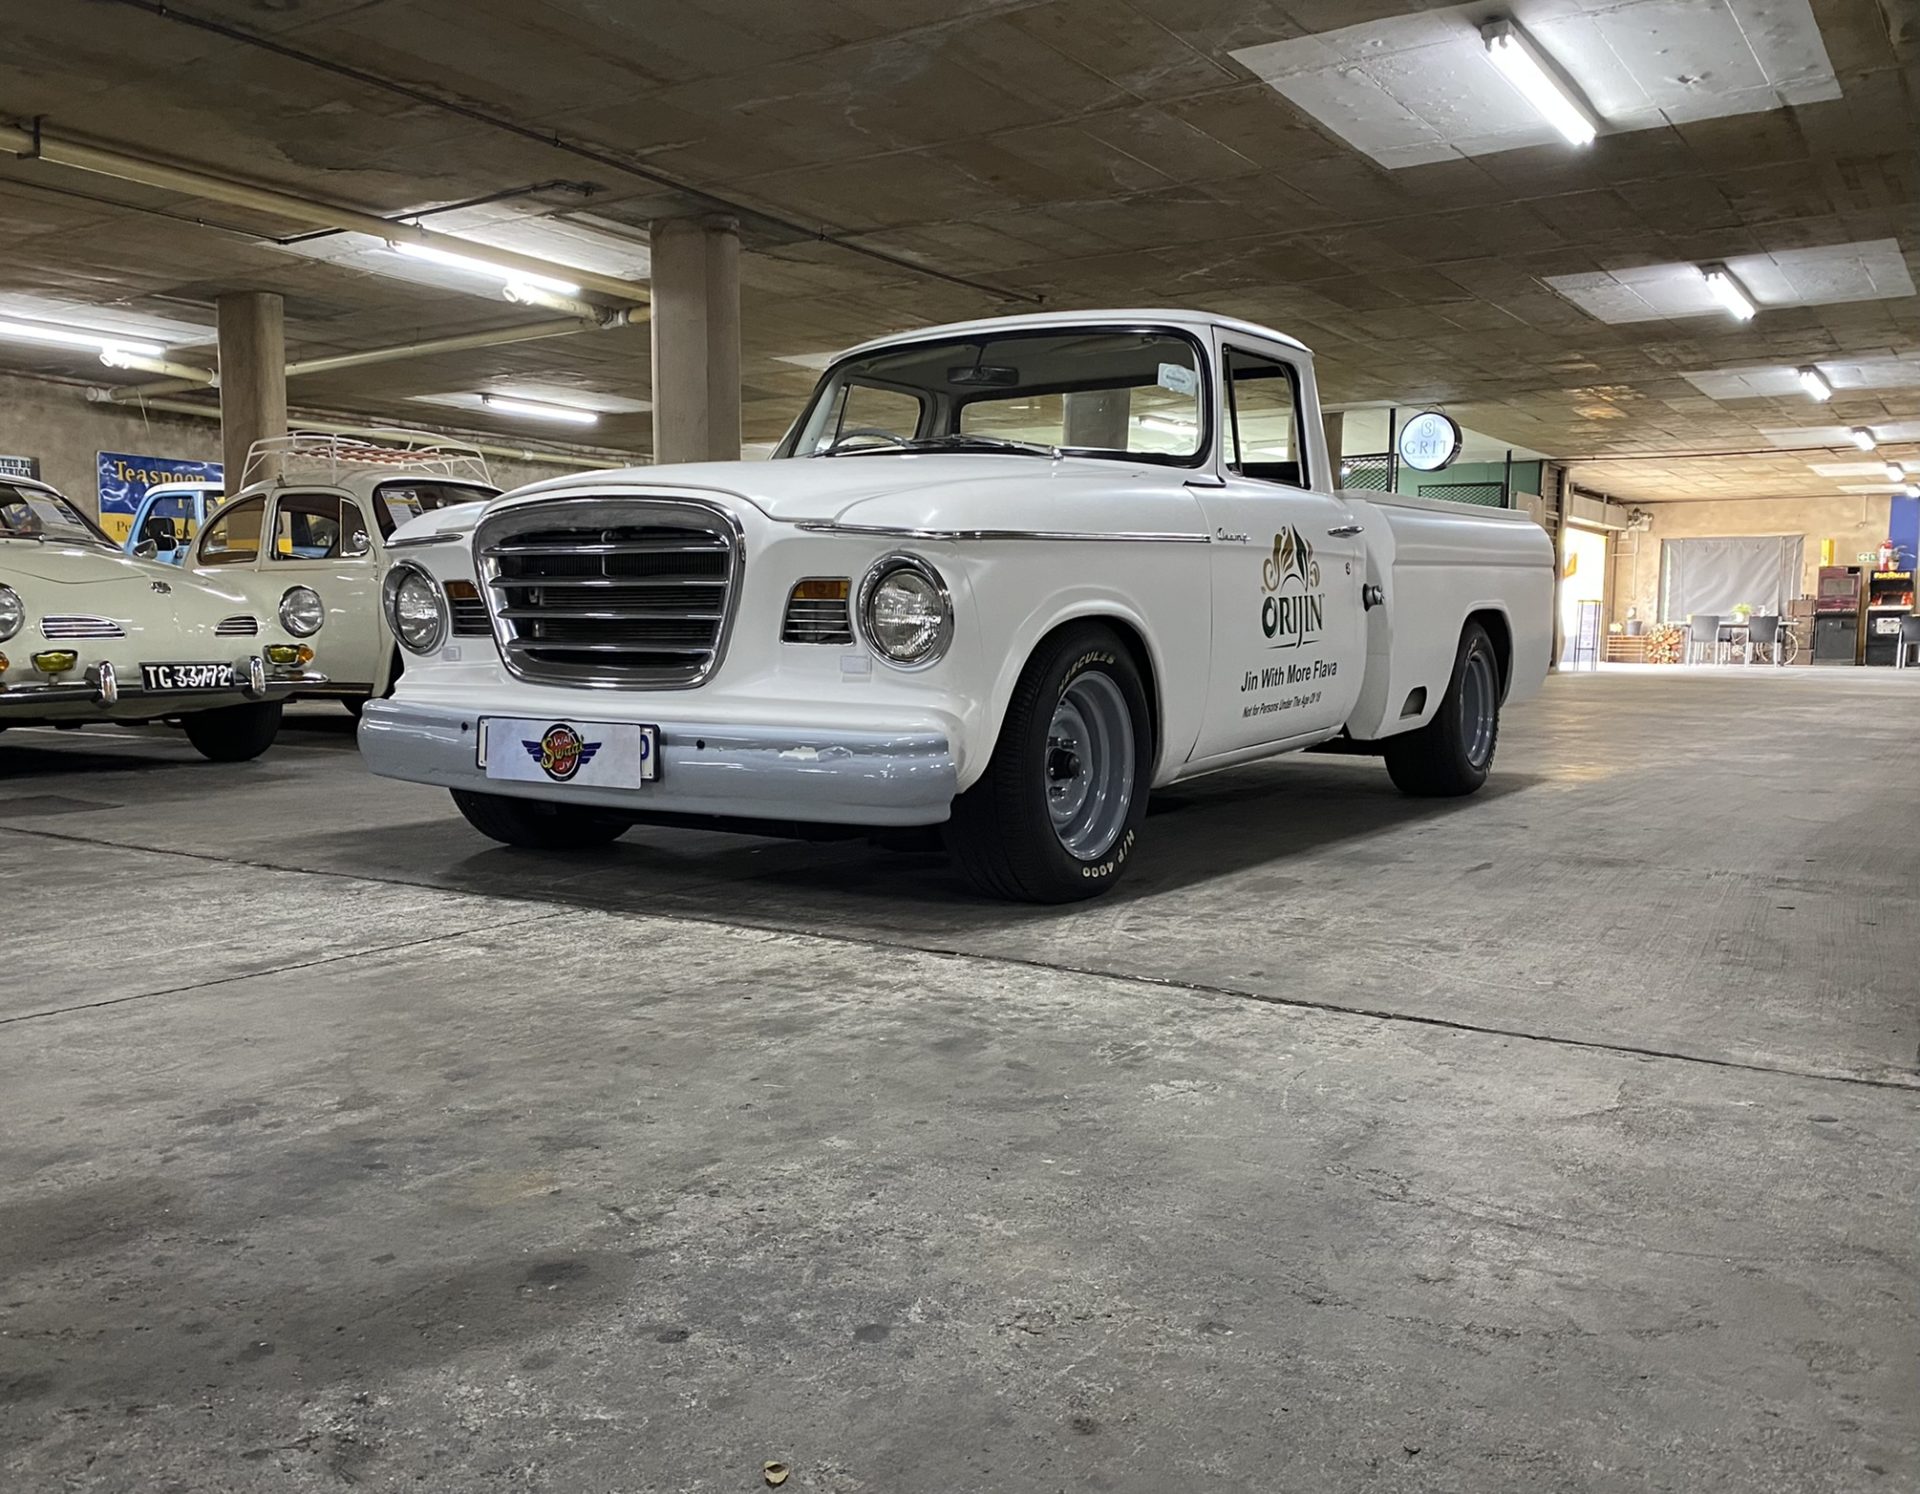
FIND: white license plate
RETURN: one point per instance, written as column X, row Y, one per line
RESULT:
column 187, row 676
column 596, row 754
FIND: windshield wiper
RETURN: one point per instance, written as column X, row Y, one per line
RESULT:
column 23, row 534
column 961, row 441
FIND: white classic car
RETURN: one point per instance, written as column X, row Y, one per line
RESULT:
column 90, row 634
column 1005, row 577
column 321, row 523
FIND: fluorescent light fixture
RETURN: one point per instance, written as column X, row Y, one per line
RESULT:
column 435, row 255
column 1729, row 292
column 1513, row 52
column 66, row 337
column 1913, row 490
column 1863, row 438
column 534, row 410
column 1895, row 472
column 1166, row 423
column 1815, row 384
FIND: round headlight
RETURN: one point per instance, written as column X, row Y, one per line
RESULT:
column 416, row 608
column 13, row 612
column 302, row 612
column 905, row 611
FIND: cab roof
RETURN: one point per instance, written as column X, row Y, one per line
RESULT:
column 1186, row 320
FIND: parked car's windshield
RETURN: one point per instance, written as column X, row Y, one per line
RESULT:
column 1138, row 395
column 28, row 513
column 396, row 502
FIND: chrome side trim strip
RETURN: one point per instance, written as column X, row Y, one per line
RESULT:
column 891, row 531
column 441, row 537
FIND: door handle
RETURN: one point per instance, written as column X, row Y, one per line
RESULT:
column 1343, row 531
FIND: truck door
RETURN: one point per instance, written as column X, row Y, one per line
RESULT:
column 1289, row 641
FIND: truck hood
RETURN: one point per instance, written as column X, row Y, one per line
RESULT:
column 864, row 489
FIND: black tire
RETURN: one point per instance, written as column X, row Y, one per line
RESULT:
column 1453, row 753
column 535, row 824
column 1002, row 832
column 233, row 734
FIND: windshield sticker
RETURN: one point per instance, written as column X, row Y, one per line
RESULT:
column 1179, row 379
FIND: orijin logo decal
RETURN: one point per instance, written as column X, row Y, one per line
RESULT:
column 1294, row 610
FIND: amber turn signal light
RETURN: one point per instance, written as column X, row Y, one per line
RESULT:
column 822, row 589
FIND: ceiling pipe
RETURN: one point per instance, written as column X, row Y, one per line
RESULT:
column 184, row 379
column 327, row 428
column 179, row 375
column 36, row 145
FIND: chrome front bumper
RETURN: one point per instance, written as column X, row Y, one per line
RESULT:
column 725, row 771
column 102, row 687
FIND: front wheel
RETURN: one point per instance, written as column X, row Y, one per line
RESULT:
column 1453, row 752
column 233, row 734
column 1056, row 814
column 535, row 824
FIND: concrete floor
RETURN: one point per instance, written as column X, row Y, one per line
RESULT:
column 1562, row 1139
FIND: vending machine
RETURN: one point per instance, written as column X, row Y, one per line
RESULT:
column 1839, row 607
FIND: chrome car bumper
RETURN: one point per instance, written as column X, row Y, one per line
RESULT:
column 724, row 771
column 102, row 687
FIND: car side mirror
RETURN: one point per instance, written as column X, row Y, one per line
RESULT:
column 146, row 549
column 160, row 530
column 357, row 545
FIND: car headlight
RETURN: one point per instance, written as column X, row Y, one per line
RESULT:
column 416, row 608
column 302, row 612
column 13, row 612
column 905, row 611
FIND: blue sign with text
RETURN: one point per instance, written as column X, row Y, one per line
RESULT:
column 124, row 480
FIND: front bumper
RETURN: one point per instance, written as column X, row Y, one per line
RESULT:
column 102, row 689
column 839, row 777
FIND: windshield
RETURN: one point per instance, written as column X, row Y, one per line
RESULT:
column 29, row 513
column 396, row 502
column 1087, row 391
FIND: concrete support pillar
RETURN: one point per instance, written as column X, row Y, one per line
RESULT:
column 696, row 340
column 1333, row 425
column 253, row 377
column 1098, row 418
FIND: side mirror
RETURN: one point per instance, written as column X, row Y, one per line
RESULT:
column 357, row 545
column 159, row 530
column 146, row 549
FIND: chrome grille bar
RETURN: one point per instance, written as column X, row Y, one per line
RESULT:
column 79, row 625
column 612, row 592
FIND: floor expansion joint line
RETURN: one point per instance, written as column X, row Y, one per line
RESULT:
column 870, row 941
column 318, row 960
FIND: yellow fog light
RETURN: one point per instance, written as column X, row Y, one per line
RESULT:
column 55, row 660
column 288, row 654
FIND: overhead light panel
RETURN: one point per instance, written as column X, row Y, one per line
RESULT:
column 1816, row 385
column 1166, row 423
column 1513, row 52
column 1895, row 472
column 535, row 410
column 432, row 254
column 1863, row 438
column 1729, row 292
column 66, row 337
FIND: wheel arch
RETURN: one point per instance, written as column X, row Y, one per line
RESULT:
column 1499, row 629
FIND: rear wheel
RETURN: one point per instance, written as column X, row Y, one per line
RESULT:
column 538, row 825
column 1452, row 753
column 233, row 734
column 1056, row 814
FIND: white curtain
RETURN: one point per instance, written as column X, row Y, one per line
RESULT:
column 1699, row 576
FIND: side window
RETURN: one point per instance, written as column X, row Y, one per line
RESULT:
column 232, row 536
column 306, row 526
column 867, row 407
column 1263, row 420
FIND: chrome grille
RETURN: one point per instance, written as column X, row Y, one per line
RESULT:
column 468, row 609
column 79, row 625
column 236, row 627
column 816, row 620
column 634, row 593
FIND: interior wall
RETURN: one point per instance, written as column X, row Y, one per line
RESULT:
column 57, row 424
column 1856, row 525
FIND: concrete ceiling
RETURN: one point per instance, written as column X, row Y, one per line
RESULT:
column 900, row 162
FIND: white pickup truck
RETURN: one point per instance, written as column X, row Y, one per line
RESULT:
column 1005, row 577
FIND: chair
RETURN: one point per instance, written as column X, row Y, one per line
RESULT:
column 1703, row 631
column 1763, row 632
column 1908, row 642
